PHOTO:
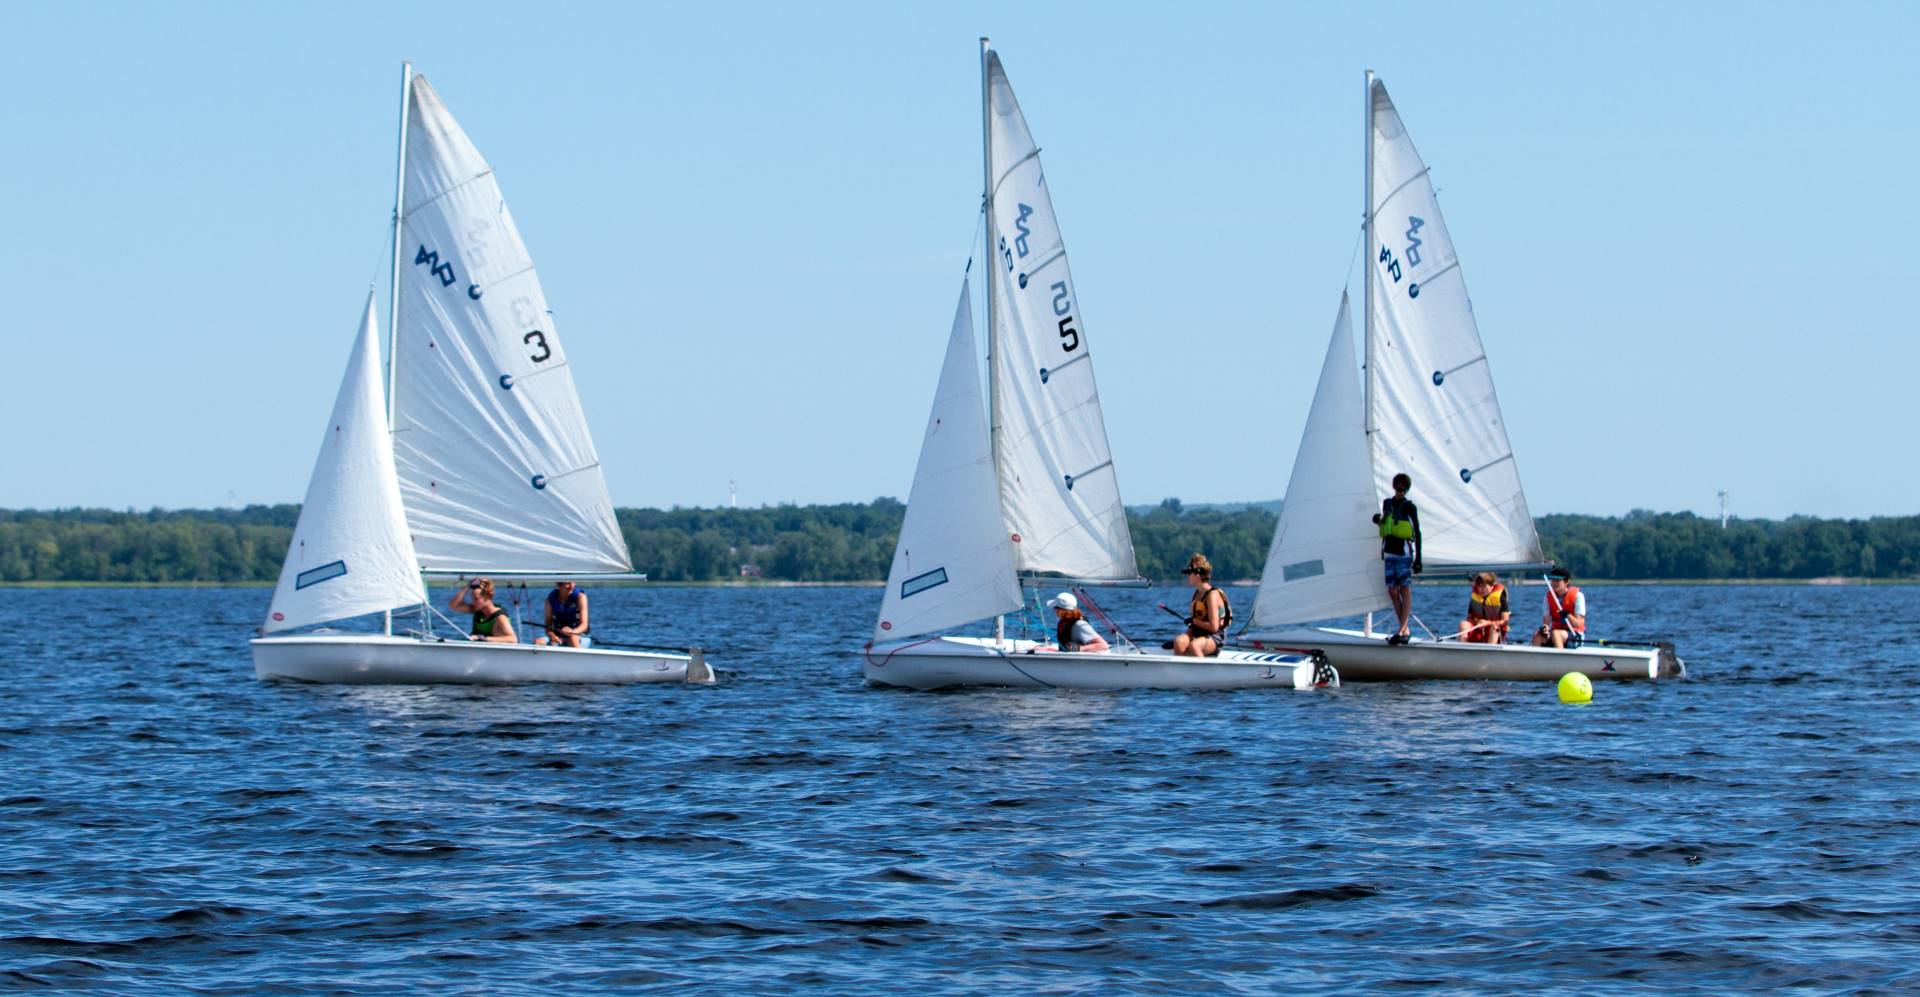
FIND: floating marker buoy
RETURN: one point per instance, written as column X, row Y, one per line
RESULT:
column 1574, row 688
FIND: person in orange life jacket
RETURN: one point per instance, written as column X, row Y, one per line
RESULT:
column 566, row 616
column 1565, row 623
column 1400, row 546
column 490, row 623
column 1073, row 632
column 1210, row 613
column 1488, row 614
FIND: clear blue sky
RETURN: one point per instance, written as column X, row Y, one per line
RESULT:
column 1685, row 226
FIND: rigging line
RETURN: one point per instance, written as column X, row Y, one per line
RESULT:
column 1010, row 662
column 1353, row 257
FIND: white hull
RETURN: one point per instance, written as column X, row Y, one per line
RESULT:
column 1363, row 658
column 373, row 658
column 944, row 662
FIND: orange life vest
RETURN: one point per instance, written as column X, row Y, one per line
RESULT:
column 1561, row 610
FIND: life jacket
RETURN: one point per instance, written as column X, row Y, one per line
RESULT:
column 483, row 627
column 1561, row 610
column 1199, row 610
column 1392, row 523
column 1063, row 634
column 565, row 614
column 1491, row 606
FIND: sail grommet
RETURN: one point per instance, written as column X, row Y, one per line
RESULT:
column 1069, row 482
column 506, row 382
column 1043, row 375
column 1438, row 376
column 539, row 482
column 1466, row 475
column 1023, row 282
column 473, row 291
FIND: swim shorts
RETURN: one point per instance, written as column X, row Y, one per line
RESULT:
column 1399, row 569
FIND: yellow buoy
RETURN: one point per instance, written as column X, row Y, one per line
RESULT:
column 1574, row 688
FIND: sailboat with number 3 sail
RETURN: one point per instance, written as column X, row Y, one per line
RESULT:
column 1428, row 409
column 474, row 460
column 1023, row 488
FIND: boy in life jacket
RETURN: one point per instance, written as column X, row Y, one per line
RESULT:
column 1073, row 633
column 1488, row 614
column 566, row 616
column 1399, row 524
column 1565, row 624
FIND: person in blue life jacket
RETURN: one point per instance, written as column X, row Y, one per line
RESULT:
column 567, row 621
column 1399, row 523
column 1072, row 632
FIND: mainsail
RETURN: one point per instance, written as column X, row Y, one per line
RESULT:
column 1434, row 414
column 1058, row 491
column 495, row 462
column 1325, row 558
column 350, row 553
column 954, row 561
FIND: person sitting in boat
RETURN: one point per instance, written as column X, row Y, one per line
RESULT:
column 566, row 624
column 490, row 622
column 1565, row 624
column 1488, row 614
column 1399, row 524
column 1073, row 632
column 1211, row 614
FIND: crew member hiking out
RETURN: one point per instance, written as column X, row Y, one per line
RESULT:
column 1399, row 523
column 1565, row 623
column 1211, row 613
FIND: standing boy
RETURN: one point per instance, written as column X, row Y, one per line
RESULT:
column 1399, row 524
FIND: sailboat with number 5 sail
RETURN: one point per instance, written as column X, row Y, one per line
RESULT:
column 1023, row 488
column 472, row 460
column 1428, row 409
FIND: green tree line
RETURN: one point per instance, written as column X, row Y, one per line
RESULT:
column 854, row 541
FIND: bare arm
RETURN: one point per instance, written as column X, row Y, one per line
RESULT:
column 502, row 631
column 459, row 603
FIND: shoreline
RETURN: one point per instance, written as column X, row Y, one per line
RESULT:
column 1830, row 582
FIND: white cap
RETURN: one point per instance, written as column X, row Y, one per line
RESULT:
column 1064, row 600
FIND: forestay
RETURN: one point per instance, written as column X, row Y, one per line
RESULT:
column 1058, row 490
column 1325, row 558
column 954, row 562
column 495, row 462
column 350, row 553
column 1434, row 412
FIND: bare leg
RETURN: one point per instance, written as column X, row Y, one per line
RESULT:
column 1560, row 639
column 1402, row 596
column 1202, row 647
column 1182, row 643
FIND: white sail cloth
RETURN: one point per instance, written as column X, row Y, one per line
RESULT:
column 350, row 553
column 495, row 461
column 1435, row 415
column 954, row 561
column 1057, row 485
column 1325, row 558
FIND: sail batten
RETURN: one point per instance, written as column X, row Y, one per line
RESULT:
column 496, row 464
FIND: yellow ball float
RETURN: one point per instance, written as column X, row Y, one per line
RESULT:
column 1574, row 688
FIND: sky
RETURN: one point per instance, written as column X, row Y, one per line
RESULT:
column 1683, row 227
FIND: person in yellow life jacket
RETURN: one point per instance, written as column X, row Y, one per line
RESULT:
column 1400, row 545
column 1565, row 624
column 1211, row 613
column 1073, row 632
column 490, row 623
column 1488, row 614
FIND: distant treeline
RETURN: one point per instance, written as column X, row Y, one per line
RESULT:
column 854, row 542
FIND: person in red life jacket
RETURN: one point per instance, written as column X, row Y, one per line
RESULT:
column 1488, row 614
column 1209, row 613
column 1400, row 545
column 566, row 616
column 1565, row 624
column 1073, row 632
column 490, row 623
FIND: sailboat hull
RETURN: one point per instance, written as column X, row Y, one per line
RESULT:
column 1364, row 658
column 373, row 659
column 950, row 662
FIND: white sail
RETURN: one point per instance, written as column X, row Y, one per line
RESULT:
column 1058, row 491
column 1325, row 558
column 496, row 465
column 1434, row 412
column 350, row 553
column 954, row 561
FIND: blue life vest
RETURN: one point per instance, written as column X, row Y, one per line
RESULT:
column 565, row 614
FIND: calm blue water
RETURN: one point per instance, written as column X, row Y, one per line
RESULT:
column 168, row 822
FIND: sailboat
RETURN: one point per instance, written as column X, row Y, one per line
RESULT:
column 1428, row 409
column 473, row 459
column 1023, row 488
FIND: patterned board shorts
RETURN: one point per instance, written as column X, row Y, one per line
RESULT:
column 1399, row 569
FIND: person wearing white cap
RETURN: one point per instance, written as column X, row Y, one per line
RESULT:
column 1073, row 633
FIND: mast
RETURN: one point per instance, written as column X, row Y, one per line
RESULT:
column 1366, row 283
column 393, row 287
column 986, row 202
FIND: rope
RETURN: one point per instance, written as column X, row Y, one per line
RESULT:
column 867, row 652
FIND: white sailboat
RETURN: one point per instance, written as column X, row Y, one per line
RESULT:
column 1429, row 409
column 477, row 463
column 1024, row 487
